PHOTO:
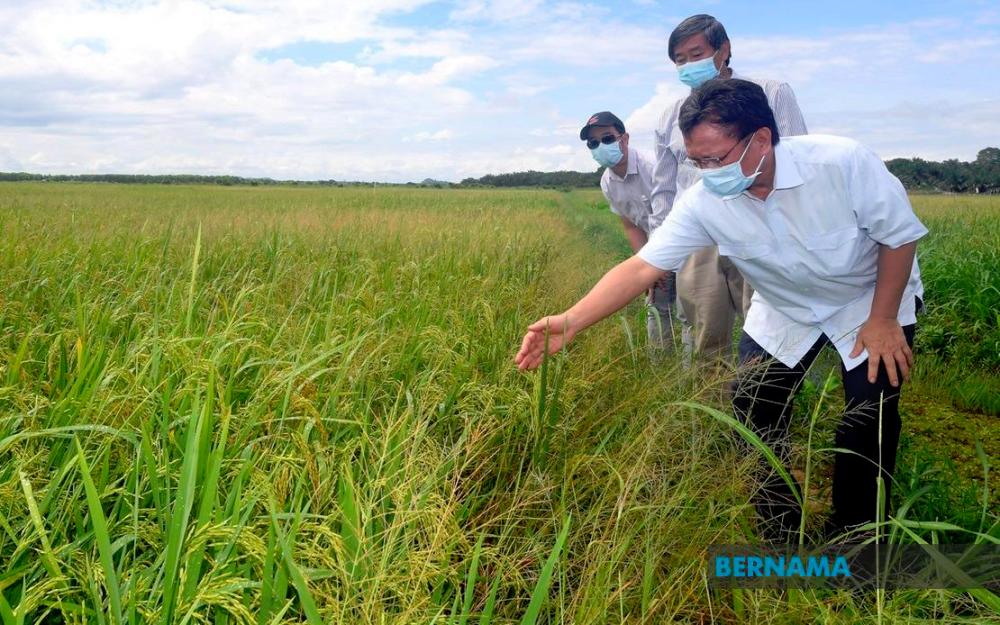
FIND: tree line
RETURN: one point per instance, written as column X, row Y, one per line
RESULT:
column 554, row 179
column 951, row 176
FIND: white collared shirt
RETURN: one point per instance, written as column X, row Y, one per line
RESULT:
column 629, row 196
column 810, row 250
column 671, row 177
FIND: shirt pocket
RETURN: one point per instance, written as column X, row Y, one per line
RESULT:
column 744, row 251
column 833, row 253
column 834, row 240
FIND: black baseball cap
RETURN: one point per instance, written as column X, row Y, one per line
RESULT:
column 604, row 118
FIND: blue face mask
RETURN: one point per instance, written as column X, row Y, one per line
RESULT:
column 695, row 73
column 607, row 154
column 729, row 179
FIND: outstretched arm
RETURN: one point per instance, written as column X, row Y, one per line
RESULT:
column 613, row 292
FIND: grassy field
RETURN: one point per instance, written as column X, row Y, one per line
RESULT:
column 278, row 405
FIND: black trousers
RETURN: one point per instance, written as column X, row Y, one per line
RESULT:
column 762, row 398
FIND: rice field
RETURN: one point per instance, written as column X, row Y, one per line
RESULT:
column 283, row 405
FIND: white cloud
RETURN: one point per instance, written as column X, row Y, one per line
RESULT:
column 988, row 18
column 7, row 160
column 177, row 86
column 562, row 130
column 449, row 69
column 495, row 10
column 959, row 51
column 645, row 119
column 438, row 44
column 152, row 86
column 891, row 51
column 871, row 84
column 580, row 43
column 559, row 149
column 441, row 135
column 961, row 133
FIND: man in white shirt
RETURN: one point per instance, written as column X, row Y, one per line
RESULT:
column 711, row 290
column 627, row 184
column 827, row 238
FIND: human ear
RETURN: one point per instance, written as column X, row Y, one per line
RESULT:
column 764, row 136
column 724, row 54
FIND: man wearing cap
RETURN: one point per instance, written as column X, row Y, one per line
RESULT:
column 711, row 291
column 827, row 238
column 627, row 185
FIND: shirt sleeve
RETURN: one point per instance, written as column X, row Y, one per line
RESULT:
column 880, row 201
column 664, row 172
column 678, row 237
column 787, row 114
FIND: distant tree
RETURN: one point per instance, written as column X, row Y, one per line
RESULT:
column 951, row 176
column 548, row 179
column 988, row 156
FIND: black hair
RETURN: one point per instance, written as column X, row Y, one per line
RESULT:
column 712, row 28
column 738, row 104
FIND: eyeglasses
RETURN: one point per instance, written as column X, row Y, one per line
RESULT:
column 711, row 162
column 606, row 140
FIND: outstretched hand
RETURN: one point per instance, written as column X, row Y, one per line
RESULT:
column 533, row 345
column 886, row 343
column 623, row 283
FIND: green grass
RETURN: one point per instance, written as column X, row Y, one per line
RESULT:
column 249, row 405
column 960, row 330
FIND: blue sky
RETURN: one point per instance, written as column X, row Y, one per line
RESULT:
column 399, row 90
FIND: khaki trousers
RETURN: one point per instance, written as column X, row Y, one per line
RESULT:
column 711, row 293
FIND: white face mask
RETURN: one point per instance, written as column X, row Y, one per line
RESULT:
column 729, row 179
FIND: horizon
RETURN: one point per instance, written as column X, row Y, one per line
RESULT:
column 397, row 91
column 331, row 181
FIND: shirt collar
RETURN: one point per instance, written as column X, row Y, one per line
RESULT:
column 786, row 172
column 631, row 168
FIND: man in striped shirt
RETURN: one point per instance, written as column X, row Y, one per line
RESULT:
column 710, row 289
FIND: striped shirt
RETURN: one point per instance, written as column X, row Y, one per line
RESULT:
column 671, row 177
column 628, row 197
